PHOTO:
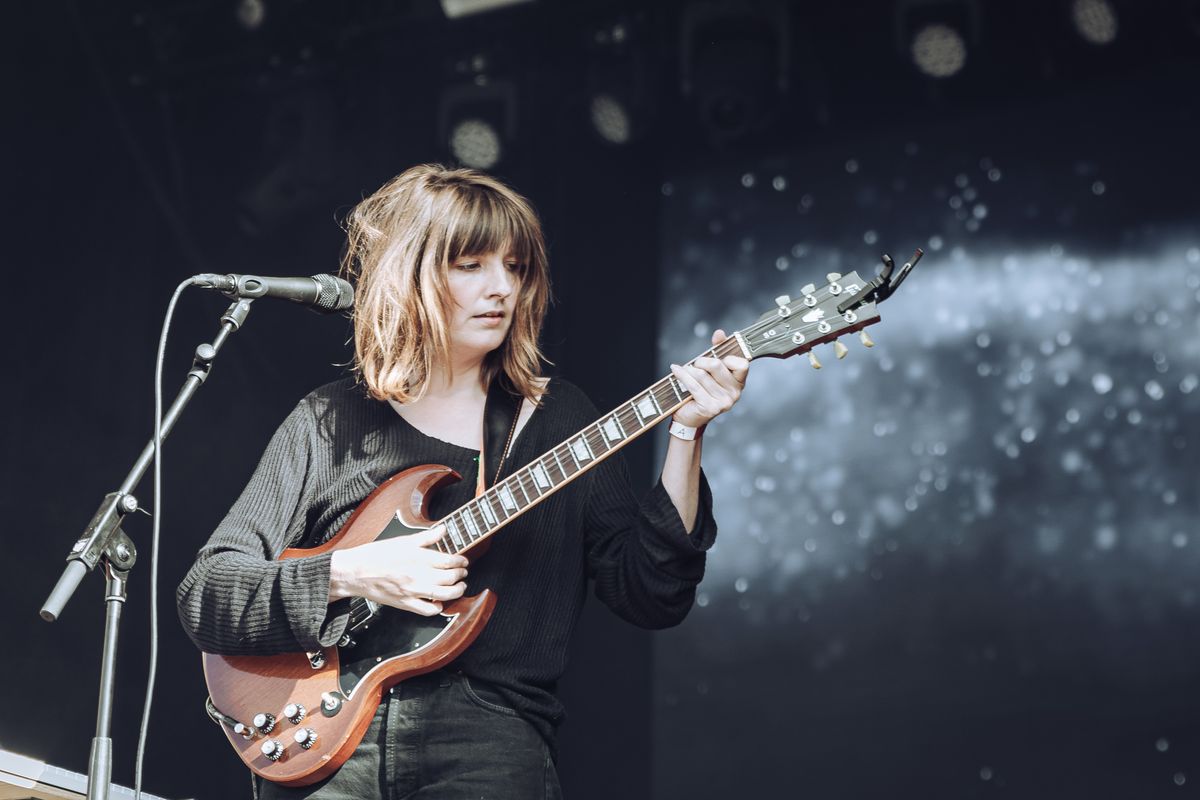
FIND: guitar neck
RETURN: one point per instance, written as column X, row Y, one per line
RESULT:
column 481, row 517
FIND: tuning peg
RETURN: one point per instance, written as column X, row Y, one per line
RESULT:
column 812, row 359
column 783, row 301
column 808, row 288
column 840, row 350
column 833, row 277
column 866, row 340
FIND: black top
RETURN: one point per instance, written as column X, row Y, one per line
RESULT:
column 338, row 444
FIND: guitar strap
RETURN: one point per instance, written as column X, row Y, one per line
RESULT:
column 500, row 413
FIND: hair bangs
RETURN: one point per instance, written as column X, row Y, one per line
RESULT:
column 491, row 225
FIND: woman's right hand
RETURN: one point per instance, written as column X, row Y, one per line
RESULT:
column 403, row 572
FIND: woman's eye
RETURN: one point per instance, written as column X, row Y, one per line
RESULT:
column 469, row 265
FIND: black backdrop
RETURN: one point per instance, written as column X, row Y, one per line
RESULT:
column 147, row 143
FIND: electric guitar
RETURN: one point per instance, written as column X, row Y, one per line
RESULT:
column 295, row 718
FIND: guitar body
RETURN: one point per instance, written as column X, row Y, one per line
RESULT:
column 340, row 688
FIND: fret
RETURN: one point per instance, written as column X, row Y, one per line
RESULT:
column 454, row 534
column 485, row 507
column 496, row 505
column 573, row 458
column 561, row 470
column 664, row 394
column 640, row 419
column 440, row 544
column 674, row 384
column 485, row 527
column 540, row 478
column 521, row 486
column 469, row 519
column 595, row 439
column 507, row 501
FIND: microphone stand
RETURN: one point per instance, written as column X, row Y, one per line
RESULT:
column 103, row 542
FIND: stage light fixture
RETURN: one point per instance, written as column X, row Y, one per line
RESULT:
column 734, row 64
column 477, row 121
column 251, row 13
column 453, row 9
column 939, row 51
column 1095, row 20
column 618, row 94
column 937, row 36
column 611, row 119
column 475, row 143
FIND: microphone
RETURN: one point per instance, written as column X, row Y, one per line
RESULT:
column 324, row 293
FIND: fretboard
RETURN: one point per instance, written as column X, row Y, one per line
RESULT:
column 542, row 477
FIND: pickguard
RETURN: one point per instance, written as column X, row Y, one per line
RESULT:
column 390, row 635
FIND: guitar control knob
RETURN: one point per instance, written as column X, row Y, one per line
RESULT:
column 330, row 704
column 273, row 749
column 243, row 731
column 264, row 722
column 294, row 712
column 305, row 737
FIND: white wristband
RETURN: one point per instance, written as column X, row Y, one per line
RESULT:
column 681, row 431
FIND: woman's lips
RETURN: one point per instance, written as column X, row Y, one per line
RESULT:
column 494, row 318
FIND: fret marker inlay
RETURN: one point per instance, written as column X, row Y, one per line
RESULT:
column 540, row 477
column 506, row 497
column 580, row 450
column 647, row 407
column 455, row 536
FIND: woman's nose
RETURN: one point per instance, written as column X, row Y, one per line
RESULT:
column 502, row 279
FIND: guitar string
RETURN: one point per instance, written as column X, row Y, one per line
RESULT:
column 730, row 344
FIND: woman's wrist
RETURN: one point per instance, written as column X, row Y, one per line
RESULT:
column 687, row 433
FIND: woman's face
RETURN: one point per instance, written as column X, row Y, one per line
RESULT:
column 483, row 292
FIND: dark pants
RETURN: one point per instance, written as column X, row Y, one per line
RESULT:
column 439, row 736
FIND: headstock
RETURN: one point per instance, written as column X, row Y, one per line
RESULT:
column 846, row 303
column 819, row 314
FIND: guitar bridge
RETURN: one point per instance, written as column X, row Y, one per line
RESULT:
column 316, row 659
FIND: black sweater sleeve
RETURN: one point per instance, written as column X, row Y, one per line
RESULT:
column 644, row 562
column 234, row 596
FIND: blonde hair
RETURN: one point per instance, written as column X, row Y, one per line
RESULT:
column 401, row 242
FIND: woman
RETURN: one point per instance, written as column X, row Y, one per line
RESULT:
column 452, row 288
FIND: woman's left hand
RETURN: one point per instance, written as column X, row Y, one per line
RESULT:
column 715, row 385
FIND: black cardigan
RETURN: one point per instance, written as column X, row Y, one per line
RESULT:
column 338, row 444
